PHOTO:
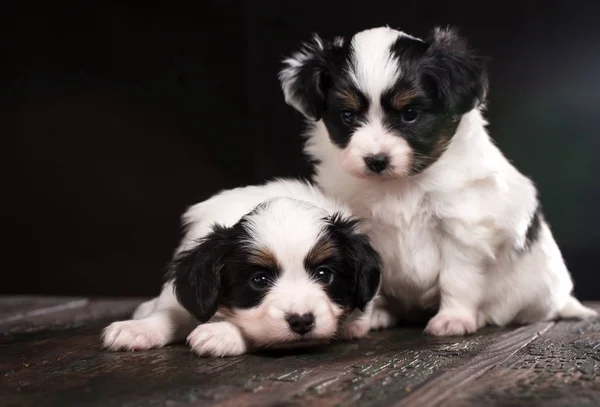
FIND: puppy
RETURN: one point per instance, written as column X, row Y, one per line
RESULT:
column 396, row 131
column 279, row 264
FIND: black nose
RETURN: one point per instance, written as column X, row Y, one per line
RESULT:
column 301, row 323
column 377, row 162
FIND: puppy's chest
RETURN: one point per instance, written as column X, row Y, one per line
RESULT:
column 406, row 233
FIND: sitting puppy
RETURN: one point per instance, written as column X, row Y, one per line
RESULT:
column 279, row 263
column 397, row 133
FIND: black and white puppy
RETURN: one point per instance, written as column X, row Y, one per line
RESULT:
column 279, row 263
column 397, row 133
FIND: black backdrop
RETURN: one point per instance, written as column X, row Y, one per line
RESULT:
column 114, row 119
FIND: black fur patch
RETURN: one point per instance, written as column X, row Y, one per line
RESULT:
column 356, row 265
column 196, row 273
column 446, row 80
column 533, row 229
column 216, row 273
column 456, row 75
column 340, row 62
column 311, row 80
column 340, row 132
column 428, row 136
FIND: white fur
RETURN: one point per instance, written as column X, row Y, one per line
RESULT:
column 289, row 224
column 376, row 69
column 452, row 236
column 156, row 323
column 217, row 339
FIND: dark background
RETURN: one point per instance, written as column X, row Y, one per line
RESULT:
column 114, row 119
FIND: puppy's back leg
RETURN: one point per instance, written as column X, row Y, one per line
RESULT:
column 575, row 310
column 156, row 323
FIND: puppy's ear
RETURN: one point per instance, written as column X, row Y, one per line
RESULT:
column 455, row 73
column 196, row 273
column 361, row 256
column 304, row 78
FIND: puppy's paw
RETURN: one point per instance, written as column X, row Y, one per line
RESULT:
column 576, row 310
column 217, row 339
column 588, row 313
column 132, row 335
column 451, row 324
column 355, row 329
column 381, row 319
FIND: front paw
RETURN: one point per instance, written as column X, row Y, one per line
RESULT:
column 217, row 339
column 355, row 329
column 132, row 335
column 381, row 319
column 451, row 324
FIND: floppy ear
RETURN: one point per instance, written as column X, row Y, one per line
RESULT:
column 303, row 78
column 196, row 274
column 456, row 74
column 362, row 257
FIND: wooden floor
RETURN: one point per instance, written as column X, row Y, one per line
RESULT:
column 50, row 356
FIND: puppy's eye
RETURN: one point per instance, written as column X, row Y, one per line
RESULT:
column 409, row 115
column 348, row 117
column 324, row 275
column 260, row 281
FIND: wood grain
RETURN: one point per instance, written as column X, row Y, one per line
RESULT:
column 559, row 369
column 55, row 359
column 36, row 314
column 437, row 391
column 15, row 308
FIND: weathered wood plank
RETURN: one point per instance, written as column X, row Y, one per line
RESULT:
column 61, row 364
column 14, row 308
column 376, row 370
column 39, row 314
column 437, row 391
column 558, row 369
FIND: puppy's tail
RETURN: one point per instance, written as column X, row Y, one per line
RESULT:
column 575, row 310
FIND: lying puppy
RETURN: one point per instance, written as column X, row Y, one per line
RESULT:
column 279, row 263
column 397, row 133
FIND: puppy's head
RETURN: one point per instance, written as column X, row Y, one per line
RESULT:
column 286, row 272
column 390, row 102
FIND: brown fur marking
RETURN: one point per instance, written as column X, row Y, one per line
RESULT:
column 443, row 140
column 348, row 99
column 403, row 98
column 265, row 258
column 322, row 250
